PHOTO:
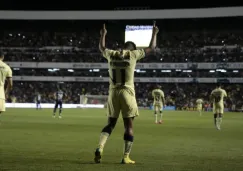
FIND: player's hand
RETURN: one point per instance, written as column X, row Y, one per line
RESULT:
column 103, row 31
column 155, row 28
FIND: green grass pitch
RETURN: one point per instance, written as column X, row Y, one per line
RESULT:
column 32, row 140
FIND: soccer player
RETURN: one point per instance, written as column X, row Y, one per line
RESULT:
column 199, row 103
column 58, row 97
column 121, row 92
column 38, row 101
column 85, row 99
column 159, row 101
column 5, row 77
column 217, row 96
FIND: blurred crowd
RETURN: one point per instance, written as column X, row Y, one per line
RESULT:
column 165, row 53
column 77, row 41
column 180, row 95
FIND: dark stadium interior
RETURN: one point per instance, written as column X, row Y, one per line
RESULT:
column 182, row 40
column 66, row 82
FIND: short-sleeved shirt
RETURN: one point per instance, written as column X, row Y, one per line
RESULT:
column 218, row 95
column 122, row 66
column 158, row 95
column 59, row 95
column 5, row 72
column 199, row 101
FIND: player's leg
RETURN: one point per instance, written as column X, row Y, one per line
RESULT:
column 220, row 116
column 215, row 114
column 161, row 114
column 128, row 140
column 155, row 113
column 113, row 110
column 60, row 109
column 2, row 107
column 129, row 111
column 199, row 109
column 55, row 109
column 104, row 135
column 37, row 105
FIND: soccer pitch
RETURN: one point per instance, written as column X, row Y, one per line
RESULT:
column 32, row 140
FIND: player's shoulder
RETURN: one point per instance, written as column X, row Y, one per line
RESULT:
column 156, row 90
column 5, row 65
column 138, row 52
column 222, row 90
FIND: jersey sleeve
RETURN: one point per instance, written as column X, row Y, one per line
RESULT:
column 139, row 54
column 153, row 93
column 107, row 53
column 225, row 94
column 162, row 94
column 9, row 73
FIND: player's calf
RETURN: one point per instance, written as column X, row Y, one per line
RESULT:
column 128, row 140
column 215, row 119
column 161, row 116
column 60, row 112
column 219, row 121
column 156, row 117
column 105, row 133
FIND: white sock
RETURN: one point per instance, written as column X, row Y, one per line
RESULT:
column 219, row 121
column 155, row 117
column 103, row 138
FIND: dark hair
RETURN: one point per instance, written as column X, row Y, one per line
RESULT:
column 218, row 85
column 1, row 54
column 130, row 45
column 157, row 86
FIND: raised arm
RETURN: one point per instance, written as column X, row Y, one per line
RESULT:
column 103, row 32
column 153, row 41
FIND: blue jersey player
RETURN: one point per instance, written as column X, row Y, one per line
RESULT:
column 38, row 101
column 58, row 98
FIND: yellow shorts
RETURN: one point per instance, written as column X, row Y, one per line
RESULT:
column 85, row 102
column 122, row 100
column 158, row 107
column 2, row 105
column 199, row 107
column 218, row 108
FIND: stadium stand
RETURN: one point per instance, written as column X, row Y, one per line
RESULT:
column 190, row 54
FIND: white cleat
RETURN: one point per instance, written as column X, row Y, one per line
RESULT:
column 60, row 117
column 54, row 116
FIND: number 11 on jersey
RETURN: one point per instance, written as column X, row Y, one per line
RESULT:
column 118, row 76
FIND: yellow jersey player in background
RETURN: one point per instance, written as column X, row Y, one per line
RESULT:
column 217, row 97
column 5, row 76
column 199, row 103
column 85, row 100
column 159, row 101
column 121, row 97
